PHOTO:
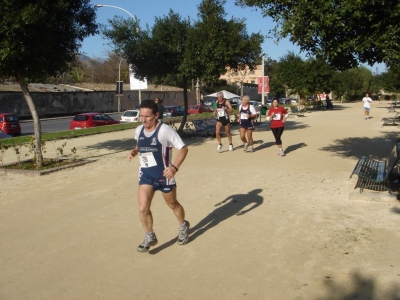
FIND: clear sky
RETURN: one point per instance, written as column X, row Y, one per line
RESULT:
column 146, row 10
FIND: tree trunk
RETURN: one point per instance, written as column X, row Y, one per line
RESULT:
column 185, row 105
column 36, row 123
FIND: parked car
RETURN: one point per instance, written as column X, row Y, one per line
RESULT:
column 209, row 102
column 257, row 105
column 268, row 102
column 91, row 119
column 234, row 104
column 9, row 124
column 282, row 101
column 4, row 136
column 130, row 116
column 292, row 101
column 173, row 111
column 199, row 109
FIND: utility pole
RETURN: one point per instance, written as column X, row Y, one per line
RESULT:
column 263, row 83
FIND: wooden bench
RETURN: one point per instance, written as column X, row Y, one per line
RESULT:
column 392, row 107
column 294, row 110
column 205, row 125
column 391, row 121
column 375, row 175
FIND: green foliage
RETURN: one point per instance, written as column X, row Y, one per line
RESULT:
column 77, row 74
column 18, row 151
column 290, row 71
column 3, row 149
column 357, row 81
column 215, row 43
column 343, row 32
column 390, row 80
column 318, row 76
column 174, row 48
column 40, row 38
column 73, row 155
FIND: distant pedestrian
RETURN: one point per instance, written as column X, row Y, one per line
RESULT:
column 160, row 109
column 367, row 106
column 328, row 100
column 277, row 115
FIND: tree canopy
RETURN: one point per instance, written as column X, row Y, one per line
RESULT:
column 176, row 47
column 42, row 37
column 343, row 32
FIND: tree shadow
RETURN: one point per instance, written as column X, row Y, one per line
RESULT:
column 115, row 145
column 361, row 288
column 396, row 210
column 234, row 205
column 377, row 147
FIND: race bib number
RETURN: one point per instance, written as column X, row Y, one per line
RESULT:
column 244, row 116
column 147, row 160
column 221, row 112
column 277, row 117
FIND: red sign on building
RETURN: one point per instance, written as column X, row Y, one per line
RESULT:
column 260, row 84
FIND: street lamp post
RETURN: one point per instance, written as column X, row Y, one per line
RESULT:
column 117, row 7
column 262, row 62
column 119, row 86
column 119, row 68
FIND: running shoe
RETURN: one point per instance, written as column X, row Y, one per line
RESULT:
column 219, row 148
column 183, row 236
column 150, row 239
column 245, row 145
column 230, row 147
column 281, row 153
column 250, row 149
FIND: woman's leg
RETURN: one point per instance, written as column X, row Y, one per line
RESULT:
column 277, row 134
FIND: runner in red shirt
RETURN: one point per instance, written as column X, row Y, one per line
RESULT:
column 277, row 115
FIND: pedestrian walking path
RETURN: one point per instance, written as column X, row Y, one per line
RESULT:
column 262, row 226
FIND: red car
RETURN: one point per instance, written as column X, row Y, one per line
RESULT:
column 9, row 124
column 199, row 109
column 93, row 119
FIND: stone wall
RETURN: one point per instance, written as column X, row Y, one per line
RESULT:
column 71, row 103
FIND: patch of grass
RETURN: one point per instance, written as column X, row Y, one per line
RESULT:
column 68, row 134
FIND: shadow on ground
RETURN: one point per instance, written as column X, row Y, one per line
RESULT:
column 360, row 288
column 114, row 146
column 377, row 148
column 289, row 125
column 234, row 205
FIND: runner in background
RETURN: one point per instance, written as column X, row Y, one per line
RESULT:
column 247, row 114
column 222, row 111
column 277, row 115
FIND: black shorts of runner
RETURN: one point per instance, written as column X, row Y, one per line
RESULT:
column 224, row 120
column 157, row 185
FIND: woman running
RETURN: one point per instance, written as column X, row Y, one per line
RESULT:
column 277, row 115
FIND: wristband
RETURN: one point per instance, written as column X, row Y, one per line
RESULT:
column 175, row 168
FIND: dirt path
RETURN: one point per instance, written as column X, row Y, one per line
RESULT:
column 263, row 226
